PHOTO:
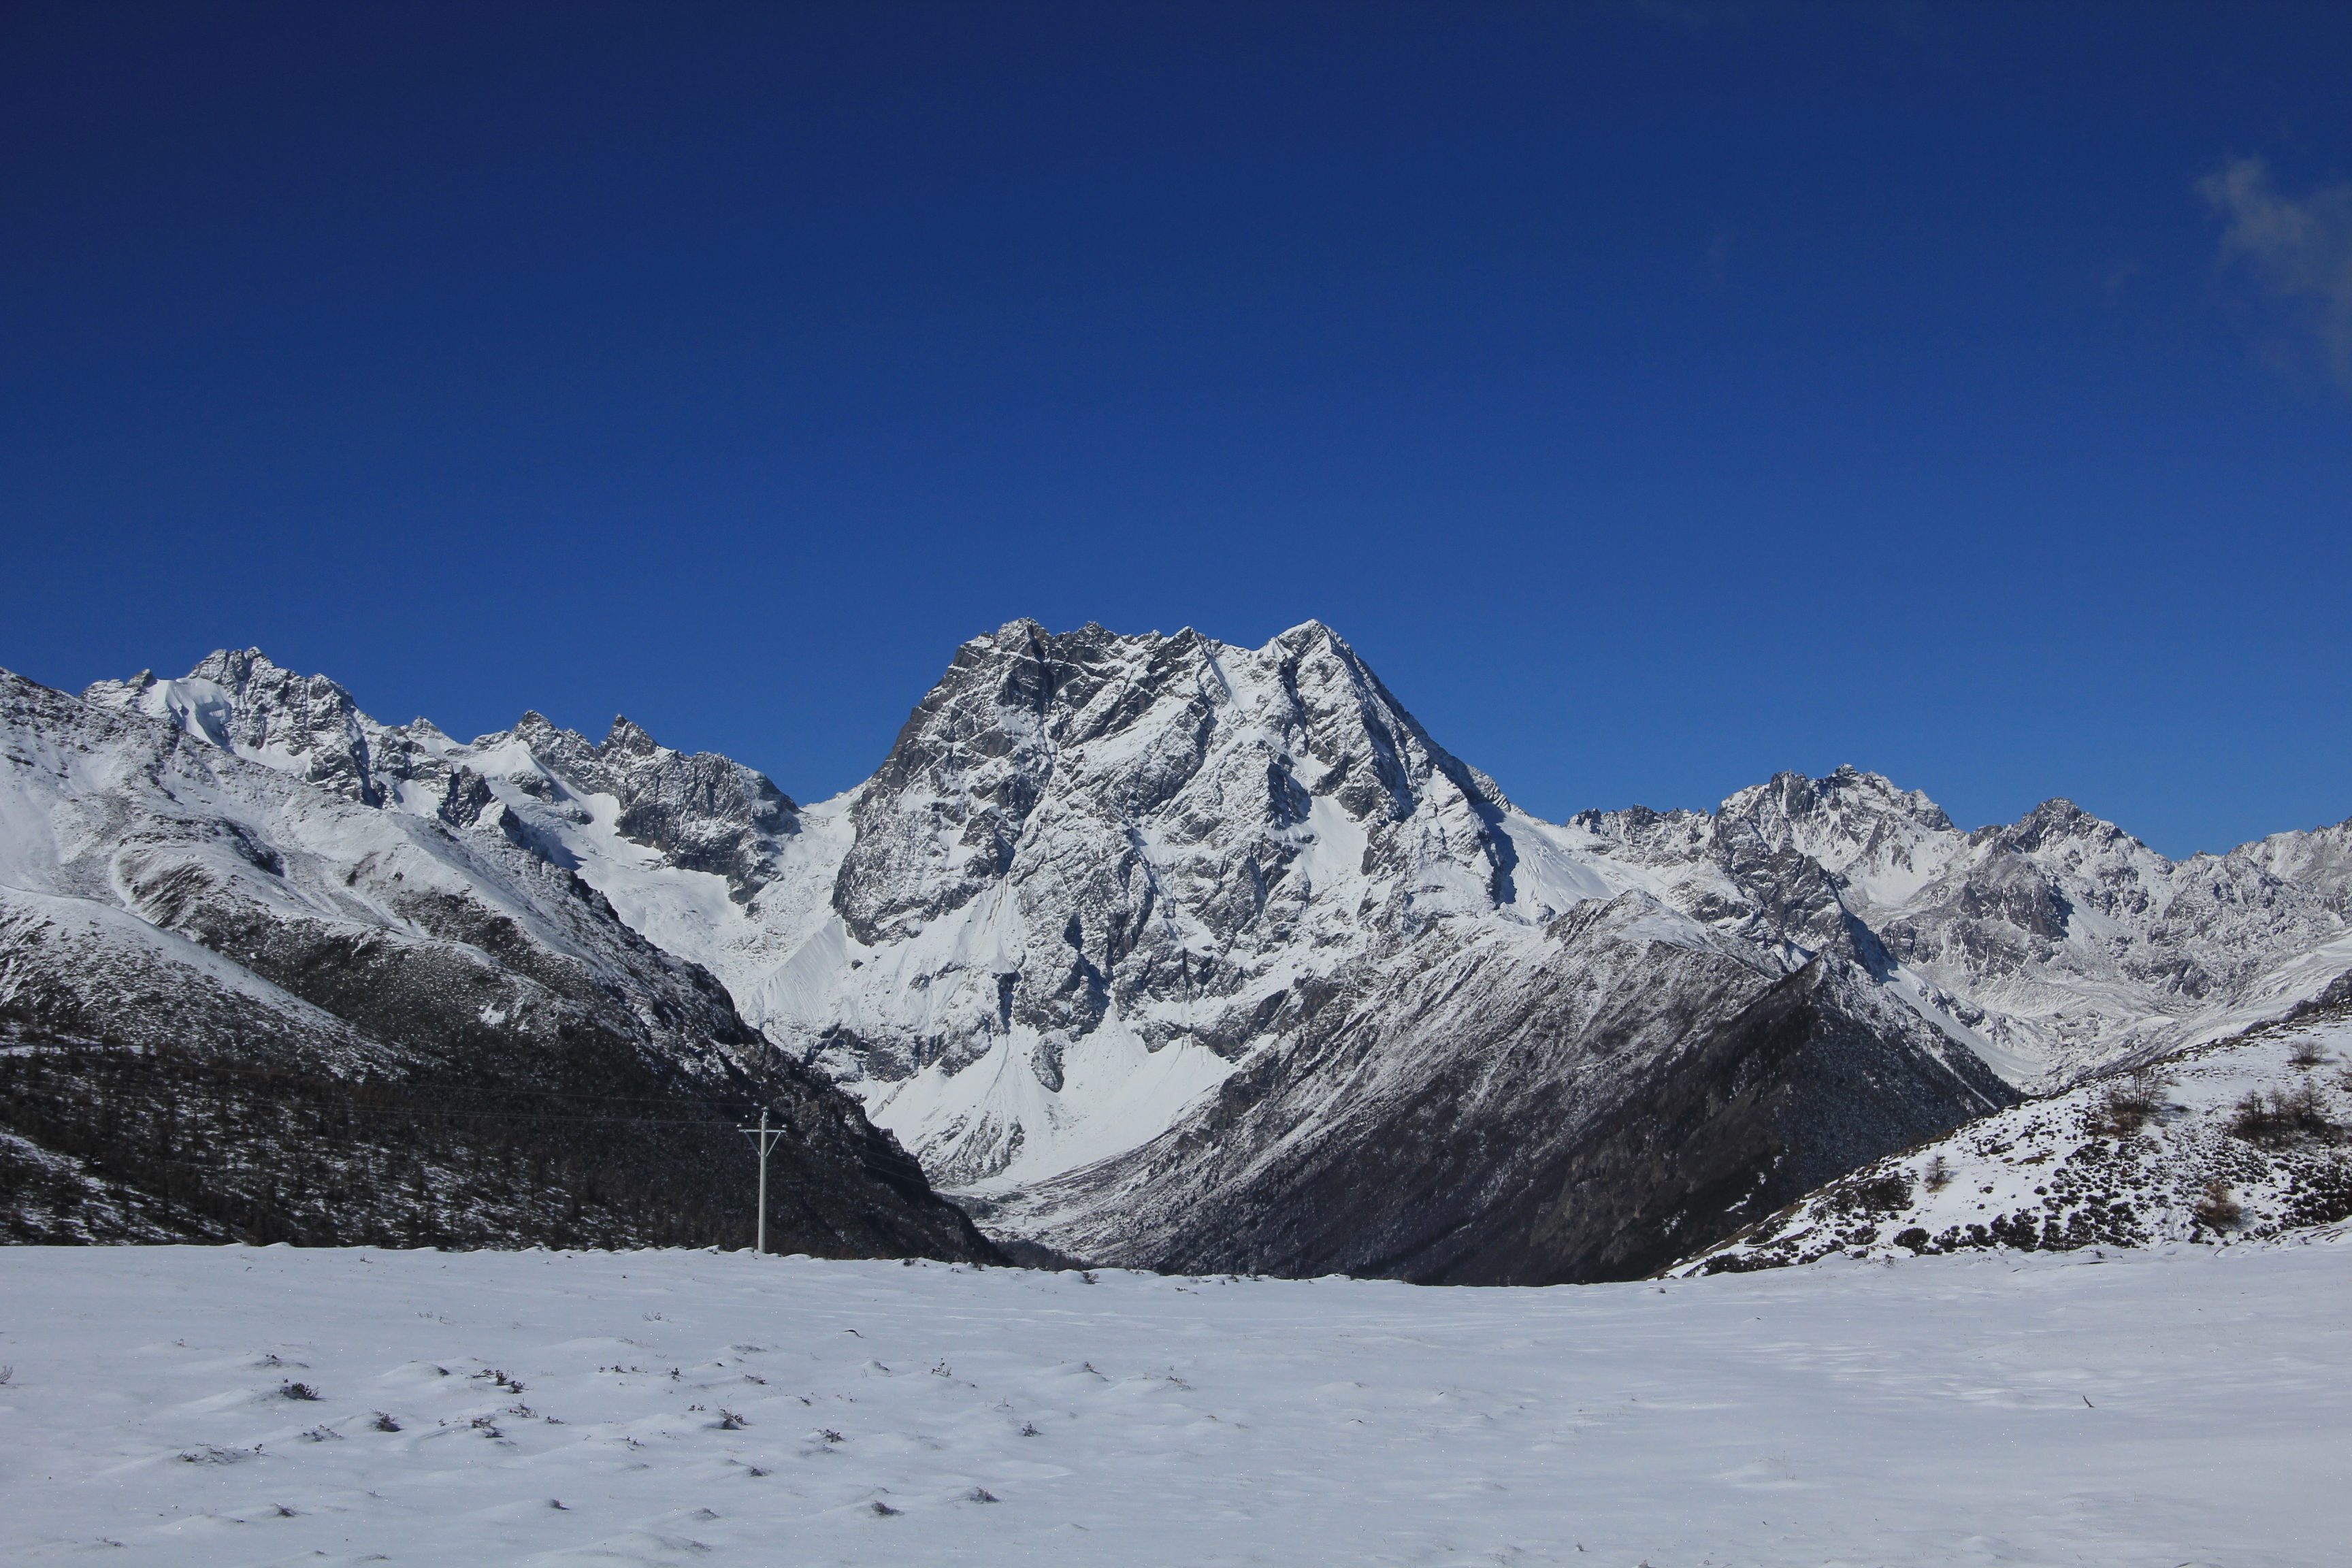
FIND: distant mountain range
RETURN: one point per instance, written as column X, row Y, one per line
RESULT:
column 1150, row 949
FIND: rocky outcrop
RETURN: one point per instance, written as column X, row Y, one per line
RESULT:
column 699, row 812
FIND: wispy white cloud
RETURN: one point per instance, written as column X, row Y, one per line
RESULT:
column 2301, row 249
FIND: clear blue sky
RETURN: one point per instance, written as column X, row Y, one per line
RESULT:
column 1659, row 395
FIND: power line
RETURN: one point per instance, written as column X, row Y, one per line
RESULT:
column 765, row 1141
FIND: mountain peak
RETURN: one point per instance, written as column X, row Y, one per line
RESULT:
column 1309, row 632
column 236, row 668
column 240, row 700
column 627, row 737
column 2058, row 821
column 1140, row 824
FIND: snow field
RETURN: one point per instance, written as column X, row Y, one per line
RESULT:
column 2178, row 1406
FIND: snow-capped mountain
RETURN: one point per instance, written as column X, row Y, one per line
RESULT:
column 1099, row 875
column 216, row 867
column 2053, row 945
column 1158, row 948
column 1094, row 872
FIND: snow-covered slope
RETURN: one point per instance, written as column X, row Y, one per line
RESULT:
column 157, row 890
column 1502, row 1105
column 2036, row 1411
column 2244, row 1140
column 454, row 941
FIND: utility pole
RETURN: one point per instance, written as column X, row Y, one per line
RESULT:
column 763, row 1141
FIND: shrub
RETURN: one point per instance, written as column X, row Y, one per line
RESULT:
column 2217, row 1210
column 2128, row 1101
column 212, row 1454
column 1880, row 1194
column 384, row 1423
column 2306, row 1053
column 730, row 1422
column 297, row 1391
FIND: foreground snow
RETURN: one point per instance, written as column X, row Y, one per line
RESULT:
column 2178, row 1406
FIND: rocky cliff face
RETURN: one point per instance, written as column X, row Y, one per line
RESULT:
column 1093, row 864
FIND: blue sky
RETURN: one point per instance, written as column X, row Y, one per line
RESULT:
column 1659, row 395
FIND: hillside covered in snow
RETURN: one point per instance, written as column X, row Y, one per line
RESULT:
column 242, row 995
column 2242, row 1140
